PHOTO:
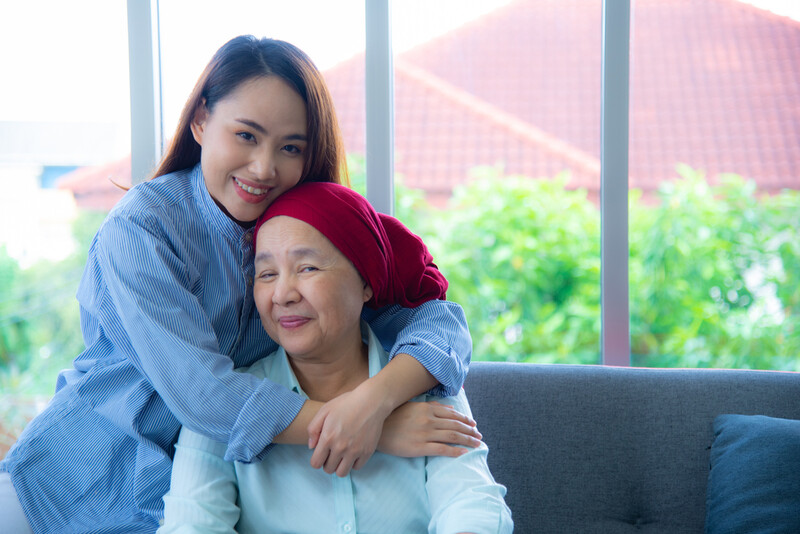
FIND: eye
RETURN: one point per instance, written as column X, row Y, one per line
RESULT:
column 308, row 269
column 266, row 275
column 293, row 149
column 247, row 136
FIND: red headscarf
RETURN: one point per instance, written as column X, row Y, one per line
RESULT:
column 393, row 261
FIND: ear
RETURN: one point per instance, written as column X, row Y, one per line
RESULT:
column 367, row 292
column 199, row 122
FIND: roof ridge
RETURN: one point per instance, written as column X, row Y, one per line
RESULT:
column 500, row 118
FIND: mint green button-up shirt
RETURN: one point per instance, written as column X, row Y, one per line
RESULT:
column 285, row 494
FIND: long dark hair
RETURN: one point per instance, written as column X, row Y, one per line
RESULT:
column 246, row 57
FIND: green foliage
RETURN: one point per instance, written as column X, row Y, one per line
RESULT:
column 523, row 259
column 714, row 269
column 714, row 276
column 39, row 323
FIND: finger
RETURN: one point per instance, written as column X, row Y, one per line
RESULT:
column 441, row 449
column 320, row 457
column 334, row 458
column 345, row 465
column 315, row 429
column 451, row 437
column 446, row 411
column 459, row 427
column 333, row 462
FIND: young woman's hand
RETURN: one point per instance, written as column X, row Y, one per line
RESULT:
column 346, row 430
column 428, row 429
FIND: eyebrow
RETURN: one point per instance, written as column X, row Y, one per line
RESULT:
column 260, row 129
column 301, row 252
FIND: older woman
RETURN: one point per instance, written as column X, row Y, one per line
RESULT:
column 315, row 271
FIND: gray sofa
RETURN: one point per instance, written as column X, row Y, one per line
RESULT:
column 594, row 449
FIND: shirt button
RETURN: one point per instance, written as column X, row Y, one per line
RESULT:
column 347, row 527
column 248, row 236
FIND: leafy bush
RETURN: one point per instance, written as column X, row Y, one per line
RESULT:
column 714, row 269
column 523, row 259
column 714, row 276
column 39, row 323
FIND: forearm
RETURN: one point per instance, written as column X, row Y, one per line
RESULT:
column 297, row 432
column 401, row 380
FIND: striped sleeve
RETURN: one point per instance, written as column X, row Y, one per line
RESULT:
column 435, row 334
column 151, row 313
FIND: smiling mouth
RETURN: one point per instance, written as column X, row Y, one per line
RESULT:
column 251, row 190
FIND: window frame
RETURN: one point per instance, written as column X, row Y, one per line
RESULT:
column 147, row 138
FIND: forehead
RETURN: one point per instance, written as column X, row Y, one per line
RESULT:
column 282, row 234
column 267, row 96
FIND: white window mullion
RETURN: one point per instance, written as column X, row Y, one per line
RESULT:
column 145, row 81
column 615, row 316
column 379, row 105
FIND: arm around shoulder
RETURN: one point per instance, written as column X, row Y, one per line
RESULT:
column 435, row 334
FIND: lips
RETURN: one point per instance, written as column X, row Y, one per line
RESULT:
column 290, row 322
column 250, row 189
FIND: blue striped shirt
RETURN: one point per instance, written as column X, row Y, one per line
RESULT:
column 167, row 314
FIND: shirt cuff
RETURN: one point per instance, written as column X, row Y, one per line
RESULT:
column 267, row 413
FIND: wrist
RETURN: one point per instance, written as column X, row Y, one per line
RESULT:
column 381, row 394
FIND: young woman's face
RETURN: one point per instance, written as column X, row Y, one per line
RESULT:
column 253, row 146
column 308, row 293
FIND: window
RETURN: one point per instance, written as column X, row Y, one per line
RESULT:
column 498, row 101
column 497, row 121
column 64, row 131
column 714, row 176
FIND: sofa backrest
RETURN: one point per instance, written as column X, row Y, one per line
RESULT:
column 607, row 449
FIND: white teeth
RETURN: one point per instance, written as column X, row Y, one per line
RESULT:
column 251, row 190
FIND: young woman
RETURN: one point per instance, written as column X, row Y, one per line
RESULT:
column 315, row 272
column 167, row 314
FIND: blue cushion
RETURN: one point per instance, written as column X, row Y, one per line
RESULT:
column 754, row 483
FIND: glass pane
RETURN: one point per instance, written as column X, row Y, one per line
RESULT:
column 64, row 135
column 714, row 176
column 497, row 119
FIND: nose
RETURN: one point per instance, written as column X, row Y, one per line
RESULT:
column 285, row 291
column 262, row 165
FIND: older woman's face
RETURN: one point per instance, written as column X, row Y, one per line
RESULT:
column 308, row 293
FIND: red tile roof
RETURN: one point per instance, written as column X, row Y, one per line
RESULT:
column 97, row 188
column 715, row 84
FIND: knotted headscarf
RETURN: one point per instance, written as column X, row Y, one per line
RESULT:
column 393, row 261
